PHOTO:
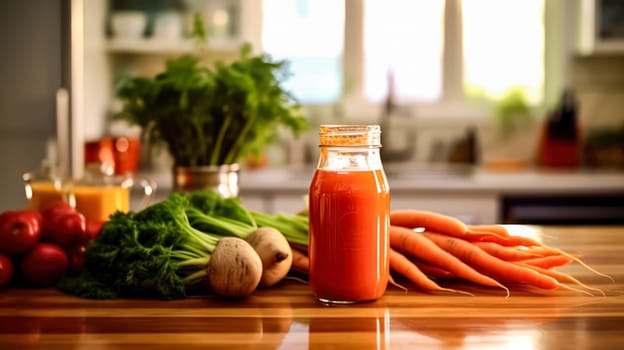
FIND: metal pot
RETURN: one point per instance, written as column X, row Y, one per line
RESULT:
column 221, row 178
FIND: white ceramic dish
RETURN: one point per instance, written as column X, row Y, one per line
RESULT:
column 128, row 24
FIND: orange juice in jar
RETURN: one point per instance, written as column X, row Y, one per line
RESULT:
column 43, row 193
column 100, row 193
column 44, row 187
column 97, row 195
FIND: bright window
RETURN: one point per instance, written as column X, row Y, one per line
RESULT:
column 310, row 35
column 403, row 38
column 502, row 43
column 503, row 47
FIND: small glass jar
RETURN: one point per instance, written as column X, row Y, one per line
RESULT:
column 349, row 216
column 97, row 195
column 100, row 193
column 44, row 186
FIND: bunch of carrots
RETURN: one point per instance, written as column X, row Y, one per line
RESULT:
column 427, row 247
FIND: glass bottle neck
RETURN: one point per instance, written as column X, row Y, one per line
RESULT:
column 340, row 158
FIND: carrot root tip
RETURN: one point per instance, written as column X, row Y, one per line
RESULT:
column 396, row 284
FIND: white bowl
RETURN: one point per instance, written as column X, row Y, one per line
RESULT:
column 168, row 26
column 128, row 24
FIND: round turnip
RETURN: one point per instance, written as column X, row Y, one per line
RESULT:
column 234, row 269
column 275, row 253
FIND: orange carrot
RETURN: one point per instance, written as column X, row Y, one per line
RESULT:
column 303, row 248
column 509, row 241
column 506, row 252
column 529, row 242
column 574, row 257
column 544, row 250
column 401, row 265
column 300, row 262
column 490, row 265
column 563, row 277
column 413, row 218
column 448, row 225
column 431, row 270
column 416, row 245
column 496, row 229
column 548, row 262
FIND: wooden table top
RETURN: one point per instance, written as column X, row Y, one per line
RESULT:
column 288, row 317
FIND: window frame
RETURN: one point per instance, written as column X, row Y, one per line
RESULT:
column 454, row 106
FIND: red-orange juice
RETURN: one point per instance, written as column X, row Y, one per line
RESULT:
column 348, row 246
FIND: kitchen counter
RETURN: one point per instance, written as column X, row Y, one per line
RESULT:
column 449, row 179
column 288, row 317
column 473, row 195
column 406, row 177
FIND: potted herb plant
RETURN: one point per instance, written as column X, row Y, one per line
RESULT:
column 211, row 117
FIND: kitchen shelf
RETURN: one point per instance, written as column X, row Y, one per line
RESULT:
column 160, row 46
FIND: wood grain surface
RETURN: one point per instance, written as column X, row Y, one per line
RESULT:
column 288, row 317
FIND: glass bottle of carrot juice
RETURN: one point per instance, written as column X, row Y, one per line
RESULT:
column 349, row 216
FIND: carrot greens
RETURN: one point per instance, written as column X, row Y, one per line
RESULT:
column 162, row 250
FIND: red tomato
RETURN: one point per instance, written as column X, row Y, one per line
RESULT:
column 6, row 270
column 56, row 206
column 50, row 215
column 19, row 231
column 76, row 258
column 93, row 228
column 65, row 227
column 44, row 265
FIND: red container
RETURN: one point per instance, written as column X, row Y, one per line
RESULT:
column 100, row 151
column 120, row 153
column 126, row 153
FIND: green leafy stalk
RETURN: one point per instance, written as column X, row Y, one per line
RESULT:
column 214, row 159
column 217, row 225
column 291, row 226
column 235, row 150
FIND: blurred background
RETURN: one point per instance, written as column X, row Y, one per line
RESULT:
column 491, row 110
